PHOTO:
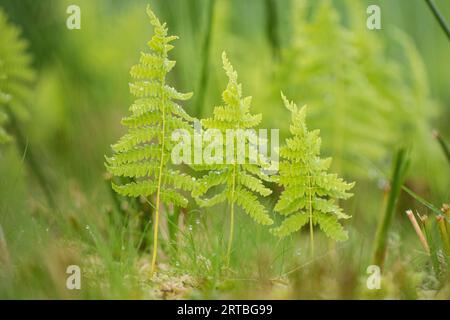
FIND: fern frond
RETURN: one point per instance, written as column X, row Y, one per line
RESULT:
column 253, row 184
column 235, row 114
column 135, row 137
column 361, row 91
column 16, row 74
column 310, row 192
column 134, row 170
column 212, row 179
column 239, row 181
column 150, row 151
column 179, row 180
column 144, row 152
column 174, row 197
column 330, row 226
column 135, row 189
column 249, row 202
column 214, row 200
column 291, row 224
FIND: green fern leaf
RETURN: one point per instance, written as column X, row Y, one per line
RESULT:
column 239, row 182
column 143, row 153
column 244, row 177
column 249, row 202
column 291, row 224
column 310, row 192
column 331, row 226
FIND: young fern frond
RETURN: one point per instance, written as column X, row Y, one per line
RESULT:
column 143, row 154
column 15, row 75
column 310, row 192
column 241, row 182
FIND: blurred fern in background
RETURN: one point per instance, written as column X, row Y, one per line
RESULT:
column 16, row 75
column 355, row 88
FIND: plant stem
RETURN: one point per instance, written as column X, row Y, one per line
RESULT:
column 311, row 227
column 158, row 192
column 156, row 222
column 419, row 232
column 230, row 239
column 439, row 17
column 272, row 27
column 205, row 60
column 400, row 166
column 444, row 235
column 4, row 253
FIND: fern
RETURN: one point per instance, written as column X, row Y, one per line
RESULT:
column 143, row 154
column 355, row 88
column 15, row 75
column 310, row 192
column 241, row 181
column 404, row 90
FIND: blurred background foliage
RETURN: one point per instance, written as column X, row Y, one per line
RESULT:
column 368, row 91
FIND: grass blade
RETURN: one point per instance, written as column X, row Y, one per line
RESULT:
column 442, row 144
column 422, row 201
column 400, row 166
column 444, row 235
column 439, row 17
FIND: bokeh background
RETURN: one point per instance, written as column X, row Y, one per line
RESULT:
column 369, row 91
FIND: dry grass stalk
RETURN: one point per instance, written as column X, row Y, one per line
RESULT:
column 419, row 232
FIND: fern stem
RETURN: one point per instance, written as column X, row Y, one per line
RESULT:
column 155, row 235
column 158, row 192
column 311, row 227
column 156, row 222
column 230, row 238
